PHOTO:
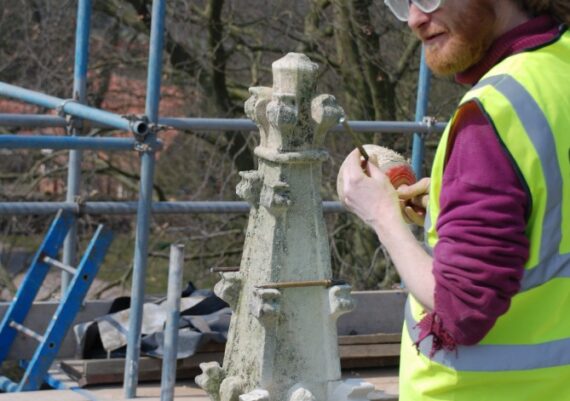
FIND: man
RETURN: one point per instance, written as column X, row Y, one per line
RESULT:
column 487, row 318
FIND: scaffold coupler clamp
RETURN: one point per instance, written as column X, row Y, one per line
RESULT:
column 429, row 122
column 80, row 204
column 72, row 123
column 141, row 128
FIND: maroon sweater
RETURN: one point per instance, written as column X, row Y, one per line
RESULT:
column 480, row 256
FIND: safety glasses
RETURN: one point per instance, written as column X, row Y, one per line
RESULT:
column 401, row 8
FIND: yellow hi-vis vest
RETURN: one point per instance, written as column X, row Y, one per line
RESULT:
column 526, row 355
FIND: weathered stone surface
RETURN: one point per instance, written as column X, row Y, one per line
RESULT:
column 351, row 390
column 211, row 379
column 228, row 288
column 255, row 395
column 282, row 343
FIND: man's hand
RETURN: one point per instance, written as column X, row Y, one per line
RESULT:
column 367, row 192
column 414, row 200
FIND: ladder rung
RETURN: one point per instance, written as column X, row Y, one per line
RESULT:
column 26, row 331
column 57, row 263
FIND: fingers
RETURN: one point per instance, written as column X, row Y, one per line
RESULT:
column 373, row 171
column 415, row 216
column 419, row 188
column 352, row 165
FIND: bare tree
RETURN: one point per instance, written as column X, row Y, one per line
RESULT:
column 214, row 51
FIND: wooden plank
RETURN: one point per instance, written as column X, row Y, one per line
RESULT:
column 369, row 355
column 369, row 350
column 378, row 338
column 105, row 371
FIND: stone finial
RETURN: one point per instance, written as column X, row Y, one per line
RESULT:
column 289, row 117
column 340, row 300
column 286, row 241
column 229, row 287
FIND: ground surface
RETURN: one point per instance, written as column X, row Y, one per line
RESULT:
column 385, row 381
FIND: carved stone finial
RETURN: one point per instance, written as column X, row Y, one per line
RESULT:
column 277, row 338
column 294, row 81
column 288, row 115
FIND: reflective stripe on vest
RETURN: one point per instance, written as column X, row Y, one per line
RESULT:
column 493, row 358
column 552, row 264
column 538, row 129
column 508, row 357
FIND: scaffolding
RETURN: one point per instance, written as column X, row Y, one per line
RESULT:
column 73, row 112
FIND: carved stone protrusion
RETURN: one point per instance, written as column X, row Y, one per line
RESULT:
column 340, row 300
column 249, row 187
column 266, row 305
column 326, row 113
column 294, row 82
column 282, row 114
column 351, row 390
column 211, row 378
column 276, row 197
column 256, row 395
column 295, row 75
column 229, row 287
column 231, row 388
column 256, row 109
column 300, row 393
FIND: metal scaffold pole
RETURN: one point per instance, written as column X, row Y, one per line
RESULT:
column 218, row 125
column 74, row 108
column 145, row 198
column 74, row 166
column 131, row 208
column 418, row 149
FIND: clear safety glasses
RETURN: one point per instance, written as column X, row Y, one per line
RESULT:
column 401, row 8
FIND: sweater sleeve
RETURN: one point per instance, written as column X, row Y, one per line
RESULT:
column 482, row 248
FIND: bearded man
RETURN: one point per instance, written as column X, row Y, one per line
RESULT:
column 487, row 316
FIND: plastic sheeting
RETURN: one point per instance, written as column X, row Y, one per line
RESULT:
column 203, row 318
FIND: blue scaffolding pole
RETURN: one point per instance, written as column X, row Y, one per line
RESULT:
column 8, row 141
column 418, row 147
column 126, row 208
column 74, row 169
column 145, row 200
column 137, row 126
column 225, row 124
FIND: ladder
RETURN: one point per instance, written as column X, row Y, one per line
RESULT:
column 50, row 342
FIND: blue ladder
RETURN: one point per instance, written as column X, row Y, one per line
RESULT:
column 50, row 342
